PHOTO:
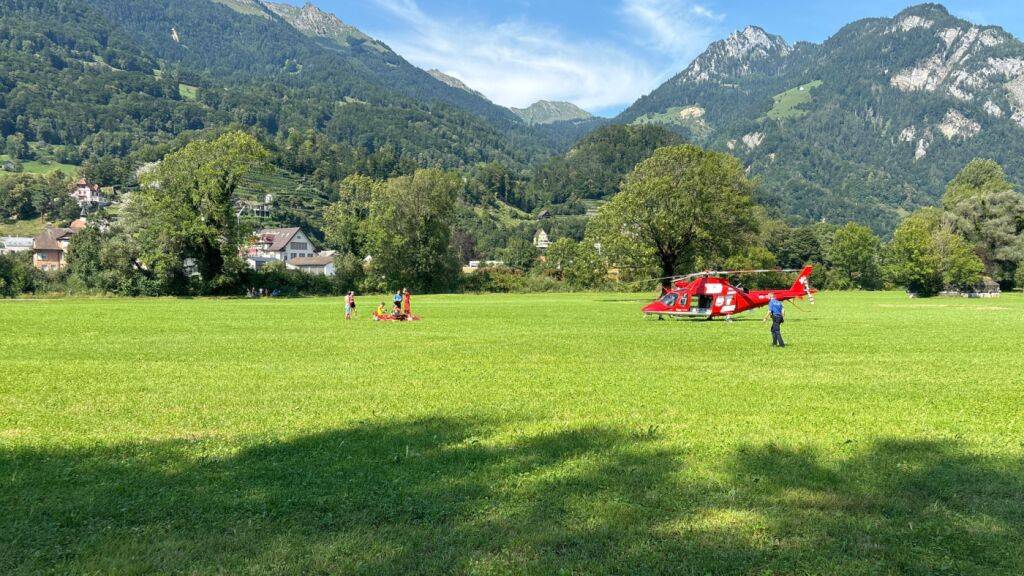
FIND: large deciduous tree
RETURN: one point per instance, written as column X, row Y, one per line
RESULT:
column 993, row 224
column 854, row 258
column 924, row 256
column 106, row 260
column 982, row 207
column 577, row 263
column 345, row 221
column 911, row 259
column 408, row 233
column 520, row 253
column 979, row 178
column 683, row 208
column 184, row 210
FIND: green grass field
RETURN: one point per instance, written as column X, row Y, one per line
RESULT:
column 541, row 434
column 787, row 104
column 42, row 167
column 188, row 92
column 672, row 117
column 29, row 227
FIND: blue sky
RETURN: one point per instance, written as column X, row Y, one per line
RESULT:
column 601, row 54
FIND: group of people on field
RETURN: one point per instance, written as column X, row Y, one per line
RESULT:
column 401, row 309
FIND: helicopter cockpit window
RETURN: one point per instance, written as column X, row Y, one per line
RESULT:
column 669, row 299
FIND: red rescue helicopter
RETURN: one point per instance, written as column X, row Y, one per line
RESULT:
column 710, row 295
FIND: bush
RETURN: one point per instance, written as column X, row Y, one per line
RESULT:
column 499, row 279
column 542, row 283
column 509, row 280
column 275, row 277
column 349, row 273
column 18, row 276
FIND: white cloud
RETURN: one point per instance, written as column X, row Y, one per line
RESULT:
column 516, row 63
column 679, row 28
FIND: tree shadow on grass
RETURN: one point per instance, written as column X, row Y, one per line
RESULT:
column 442, row 496
column 900, row 507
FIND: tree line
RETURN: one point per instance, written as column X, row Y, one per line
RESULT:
column 28, row 196
column 683, row 209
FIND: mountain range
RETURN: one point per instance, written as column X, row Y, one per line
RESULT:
column 336, row 34
column 545, row 112
column 866, row 126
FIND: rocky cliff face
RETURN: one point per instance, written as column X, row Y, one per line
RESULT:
column 312, row 21
column 866, row 125
column 741, row 54
column 453, row 82
column 968, row 62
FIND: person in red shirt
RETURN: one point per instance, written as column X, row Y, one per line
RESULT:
column 406, row 303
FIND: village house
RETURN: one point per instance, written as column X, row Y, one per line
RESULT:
column 86, row 194
column 475, row 265
column 49, row 249
column 322, row 265
column 280, row 244
column 15, row 244
column 541, row 240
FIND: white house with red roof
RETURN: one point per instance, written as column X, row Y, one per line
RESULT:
column 282, row 244
column 86, row 194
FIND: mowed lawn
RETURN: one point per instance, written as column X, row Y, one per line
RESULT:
column 537, row 434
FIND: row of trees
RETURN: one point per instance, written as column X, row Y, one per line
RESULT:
column 688, row 209
column 179, row 234
column 27, row 196
column 979, row 230
column 682, row 209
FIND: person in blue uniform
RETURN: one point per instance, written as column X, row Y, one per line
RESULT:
column 777, row 316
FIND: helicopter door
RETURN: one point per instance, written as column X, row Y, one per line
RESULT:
column 704, row 303
column 684, row 301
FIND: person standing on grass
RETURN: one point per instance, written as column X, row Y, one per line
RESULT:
column 777, row 315
column 398, row 302
column 350, row 305
column 406, row 303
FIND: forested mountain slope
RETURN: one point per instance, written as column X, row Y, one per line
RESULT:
column 595, row 166
column 99, row 78
column 866, row 126
column 387, row 67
